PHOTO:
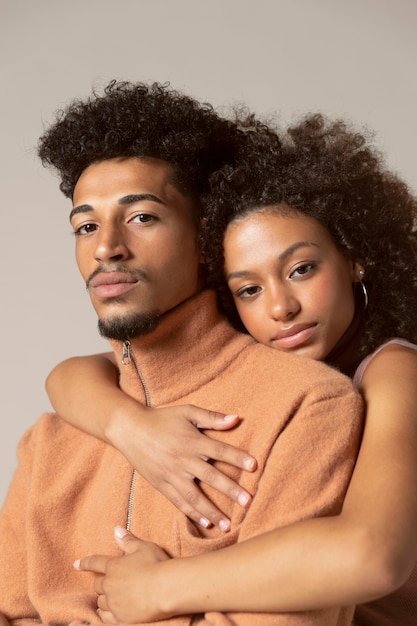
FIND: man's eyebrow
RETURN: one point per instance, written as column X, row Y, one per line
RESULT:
column 124, row 201
column 139, row 197
column 83, row 208
column 282, row 257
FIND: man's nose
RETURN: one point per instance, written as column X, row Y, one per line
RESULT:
column 111, row 245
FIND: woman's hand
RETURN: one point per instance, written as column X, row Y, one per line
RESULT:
column 164, row 445
column 127, row 586
column 167, row 448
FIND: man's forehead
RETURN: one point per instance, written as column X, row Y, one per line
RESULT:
column 138, row 174
column 123, row 180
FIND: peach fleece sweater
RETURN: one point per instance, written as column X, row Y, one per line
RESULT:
column 300, row 419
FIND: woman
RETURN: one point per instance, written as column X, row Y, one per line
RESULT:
column 290, row 233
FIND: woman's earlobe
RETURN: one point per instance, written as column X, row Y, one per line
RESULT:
column 358, row 272
column 359, row 275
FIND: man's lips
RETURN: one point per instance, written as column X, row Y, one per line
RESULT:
column 294, row 336
column 112, row 284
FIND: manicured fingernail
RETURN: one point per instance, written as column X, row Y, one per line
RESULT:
column 77, row 564
column 249, row 464
column 229, row 418
column 120, row 532
column 203, row 521
column 224, row 525
column 243, row 499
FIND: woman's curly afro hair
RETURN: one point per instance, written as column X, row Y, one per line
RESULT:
column 138, row 120
column 327, row 171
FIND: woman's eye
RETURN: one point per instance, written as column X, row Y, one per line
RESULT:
column 85, row 229
column 247, row 292
column 302, row 270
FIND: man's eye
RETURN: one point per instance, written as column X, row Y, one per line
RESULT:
column 143, row 218
column 85, row 229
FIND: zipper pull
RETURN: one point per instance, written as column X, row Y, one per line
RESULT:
column 126, row 353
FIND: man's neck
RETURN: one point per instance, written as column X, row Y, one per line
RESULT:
column 187, row 348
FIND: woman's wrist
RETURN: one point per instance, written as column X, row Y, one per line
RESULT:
column 122, row 421
column 176, row 588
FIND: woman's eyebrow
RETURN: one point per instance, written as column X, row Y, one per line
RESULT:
column 282, row 257
column 295, row 246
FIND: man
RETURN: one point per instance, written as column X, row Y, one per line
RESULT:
column 135, row 161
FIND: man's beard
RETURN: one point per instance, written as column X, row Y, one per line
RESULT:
column 128, row 327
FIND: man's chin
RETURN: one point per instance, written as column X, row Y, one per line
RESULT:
column 121, row 328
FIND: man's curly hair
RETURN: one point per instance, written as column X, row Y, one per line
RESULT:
column 139, row 120
column 329, row 172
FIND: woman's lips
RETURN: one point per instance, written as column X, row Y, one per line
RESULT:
column 293, row 337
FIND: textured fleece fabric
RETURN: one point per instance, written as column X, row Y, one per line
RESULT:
column 400, row 607
column 300, row 419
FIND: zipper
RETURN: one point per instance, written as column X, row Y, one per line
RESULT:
column 131, row 501
column 126, row 353
column 127, row 357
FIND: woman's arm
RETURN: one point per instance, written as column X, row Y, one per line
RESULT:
column 365, row 552
column 164, row 445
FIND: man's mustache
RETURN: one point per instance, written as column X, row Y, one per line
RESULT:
column 136, row 272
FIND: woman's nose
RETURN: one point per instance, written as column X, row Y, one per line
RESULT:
column 283, row 305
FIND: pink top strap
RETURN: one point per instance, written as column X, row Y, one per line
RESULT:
column 357, row 379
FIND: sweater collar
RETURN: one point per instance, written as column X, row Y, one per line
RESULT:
column 191, row 345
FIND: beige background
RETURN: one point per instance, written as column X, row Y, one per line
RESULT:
column 351, row 58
